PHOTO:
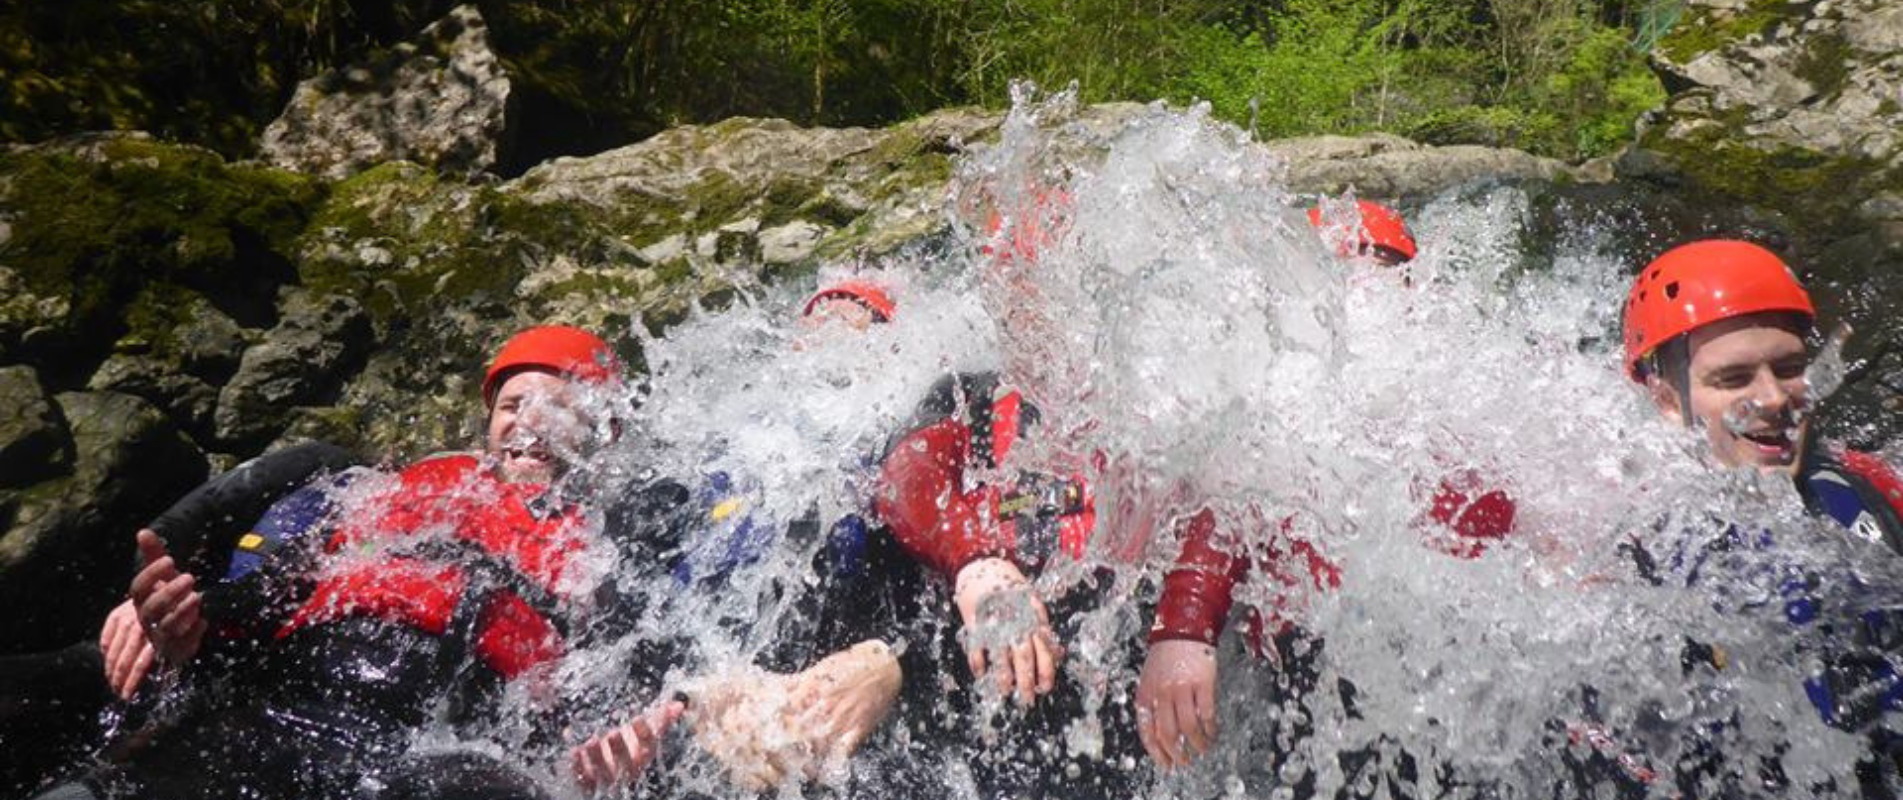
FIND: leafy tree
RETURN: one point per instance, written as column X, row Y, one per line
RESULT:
column 1560, row 77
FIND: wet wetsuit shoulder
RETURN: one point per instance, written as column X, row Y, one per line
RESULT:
column 205, row 525
column 453, row 552
column 650, row 519
column 1859, row 491
column 973, row 399
column 268, row 572
column 921, row 496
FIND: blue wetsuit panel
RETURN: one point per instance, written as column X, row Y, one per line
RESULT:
column 846, row 546
column 735, row 537
column 285, row 522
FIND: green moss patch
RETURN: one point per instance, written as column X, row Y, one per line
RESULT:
column 1703, row 31
column 1816, row 191
column 1821, row 64
column 94, row 222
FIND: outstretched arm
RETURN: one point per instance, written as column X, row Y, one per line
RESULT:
column 1176, row 691
column 767, row 727
column 954, row 531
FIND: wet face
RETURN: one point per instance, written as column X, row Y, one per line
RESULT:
column 1747, row 388
column 841, row 311
column 535, row 429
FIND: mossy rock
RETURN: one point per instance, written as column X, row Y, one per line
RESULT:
column 71, row 537
column 210, row 74
column 33, row 441
column 93, row 220
column 1817, row 191
column 1702, row 30
column 1822, row 63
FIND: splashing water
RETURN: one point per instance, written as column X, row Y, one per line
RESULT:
column 1193, row 344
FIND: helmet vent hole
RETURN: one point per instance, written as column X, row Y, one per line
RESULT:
column 1671, row 290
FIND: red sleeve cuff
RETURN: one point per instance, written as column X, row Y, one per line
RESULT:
column 1194, row 606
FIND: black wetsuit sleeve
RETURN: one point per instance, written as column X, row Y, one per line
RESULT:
column 647, row 525
column 256, row 605
column 202, row 527
column 883, row 598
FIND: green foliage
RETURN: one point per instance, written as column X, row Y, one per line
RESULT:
column 210, row 72
column 1600, row 89
column 1113, row 49
column 1555, row 76
column 1538, row 74
column 1317, row 78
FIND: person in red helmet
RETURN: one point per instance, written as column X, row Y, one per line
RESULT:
column 948, row 502
column 457, row 576
column 1718, row 333
column 957, row 503
column 1381, row 234
column 1177, row 689
column 787, row 723
column 857, row 303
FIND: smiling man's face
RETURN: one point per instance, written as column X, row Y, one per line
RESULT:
column 535, row 429
column 1748, row 389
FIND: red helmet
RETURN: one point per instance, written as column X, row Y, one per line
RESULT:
column 1697, row 284
column 1381, row 229
column 870, row 295
column 573, row 352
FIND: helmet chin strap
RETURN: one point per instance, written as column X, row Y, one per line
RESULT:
column 1672, row 362
column 1682, row 380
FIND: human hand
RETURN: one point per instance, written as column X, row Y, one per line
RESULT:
column 843, row 698
column 1176, row 701
column 1006, row 628
column 618, row 756
column 128, row 654
column 743, row 720
column 170, row 607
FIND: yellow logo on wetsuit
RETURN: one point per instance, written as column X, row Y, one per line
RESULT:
column 726, row 508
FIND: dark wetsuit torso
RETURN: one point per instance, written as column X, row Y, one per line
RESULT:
column 320, row 694
column 969, row 421
column 1854, row 689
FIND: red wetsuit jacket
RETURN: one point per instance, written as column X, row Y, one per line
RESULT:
column 966, row 423
column 450, row 545
column 1199, row 592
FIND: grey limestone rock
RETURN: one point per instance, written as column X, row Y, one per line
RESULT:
column 297, row 362
column 442, row 101
column 33, row 440
column 71, row 537
column 1385, row 165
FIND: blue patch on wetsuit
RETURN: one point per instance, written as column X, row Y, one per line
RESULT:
column 734, row 537
column 286, row 521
